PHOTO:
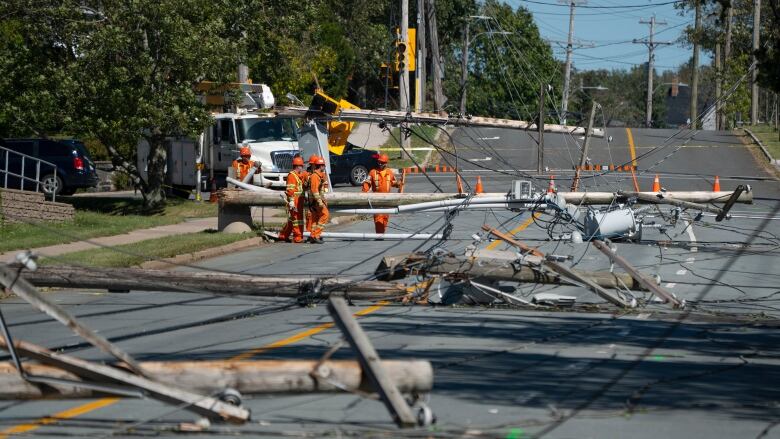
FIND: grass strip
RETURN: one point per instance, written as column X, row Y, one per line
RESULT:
column 100, row 216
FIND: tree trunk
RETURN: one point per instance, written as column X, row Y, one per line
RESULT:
column 154, row 196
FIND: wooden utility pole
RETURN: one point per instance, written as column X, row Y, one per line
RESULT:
column 718, row 84
column 569, row 49
column 403, row 48
column 540, row 127
column 585, row 145
column 651, row 44
column 695, row 68
column 754, row 75
column 464, row 68
column 370, row 362
column 422, row 56
column 438, row 92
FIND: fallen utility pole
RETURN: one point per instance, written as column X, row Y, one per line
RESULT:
column 647, row 283
column 564, row 270
column 204, row 405
column 246, row 377
column 661, row 198
column 485, row 268
column 13, row 281
column 395, row 117
column 370, row 362
column 370, row 200
column 139, row 279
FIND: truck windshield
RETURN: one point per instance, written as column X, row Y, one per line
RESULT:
column 266, row 129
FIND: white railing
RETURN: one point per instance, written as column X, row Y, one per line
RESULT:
column 7, row 154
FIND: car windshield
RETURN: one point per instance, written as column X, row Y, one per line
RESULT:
column 266, row 129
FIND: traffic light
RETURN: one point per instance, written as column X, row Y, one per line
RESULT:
column 405, row 52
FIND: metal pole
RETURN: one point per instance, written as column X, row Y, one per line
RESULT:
column 727, row 55
column 421, row 56
column 403, row 79
column 464, row 70
column 23, row 174
column 540, row 126
column 754, row 76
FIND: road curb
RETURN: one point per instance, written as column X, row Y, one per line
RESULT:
column 186, row 258
column 761, row 145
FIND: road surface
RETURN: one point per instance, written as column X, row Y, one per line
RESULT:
column 710, row 370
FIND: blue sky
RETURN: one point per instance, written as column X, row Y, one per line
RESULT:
column 611, row 31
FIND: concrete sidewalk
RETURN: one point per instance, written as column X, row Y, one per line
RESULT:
column 190, row 226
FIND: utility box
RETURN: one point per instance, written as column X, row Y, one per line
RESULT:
column 521, row 190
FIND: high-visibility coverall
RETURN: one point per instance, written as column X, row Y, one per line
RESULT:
column 318, row 187
column 242, row 169
column 380, row 181
column 294, row 194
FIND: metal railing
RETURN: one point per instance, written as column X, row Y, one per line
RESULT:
column 7, row 154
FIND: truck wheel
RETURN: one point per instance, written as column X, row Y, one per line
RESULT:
column 358, row 175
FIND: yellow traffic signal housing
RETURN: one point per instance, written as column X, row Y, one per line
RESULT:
column 338, row 131
column 409, row 55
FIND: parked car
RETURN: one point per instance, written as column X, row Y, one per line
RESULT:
column 75, row 168
column 352, row 167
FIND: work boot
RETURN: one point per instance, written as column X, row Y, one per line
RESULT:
column 316, row 240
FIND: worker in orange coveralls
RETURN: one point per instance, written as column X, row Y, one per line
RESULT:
column 294, row 195
column 318, row 187
column 242, row 165
column 381, row 179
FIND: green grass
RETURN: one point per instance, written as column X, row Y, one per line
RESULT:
column 99, row 217
column 769, row 137
column 129, row 255
column 426, row 132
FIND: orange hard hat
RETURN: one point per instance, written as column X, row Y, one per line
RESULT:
column 383, row 158
column 245, row 151
column 313, row 159
column 297, row 161
column 319, row 161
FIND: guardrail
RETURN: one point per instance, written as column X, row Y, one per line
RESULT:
column 7, row 154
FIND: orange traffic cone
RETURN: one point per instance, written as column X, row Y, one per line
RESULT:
column 551, row 188
column 716, row 185
column 460, row 183
column 656, row 184
column 478, row 189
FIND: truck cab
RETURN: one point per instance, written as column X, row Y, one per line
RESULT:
column 272, row 140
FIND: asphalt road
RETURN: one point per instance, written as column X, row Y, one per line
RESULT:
column 710, row 370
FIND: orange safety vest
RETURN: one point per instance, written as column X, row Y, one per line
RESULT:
column 242, row 168
column 380, row 181
column 318, row 186
column 295, row 185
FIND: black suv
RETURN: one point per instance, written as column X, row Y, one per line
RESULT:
column 75, row 169
column 353, row 165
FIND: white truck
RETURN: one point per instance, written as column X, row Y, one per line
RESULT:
column 197, row 162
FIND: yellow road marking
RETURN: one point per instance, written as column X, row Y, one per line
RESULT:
column 104, row 402
column 631, row 147
column 632, row 150
column 519, row 228
column 65, row 414
column 301, row 335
